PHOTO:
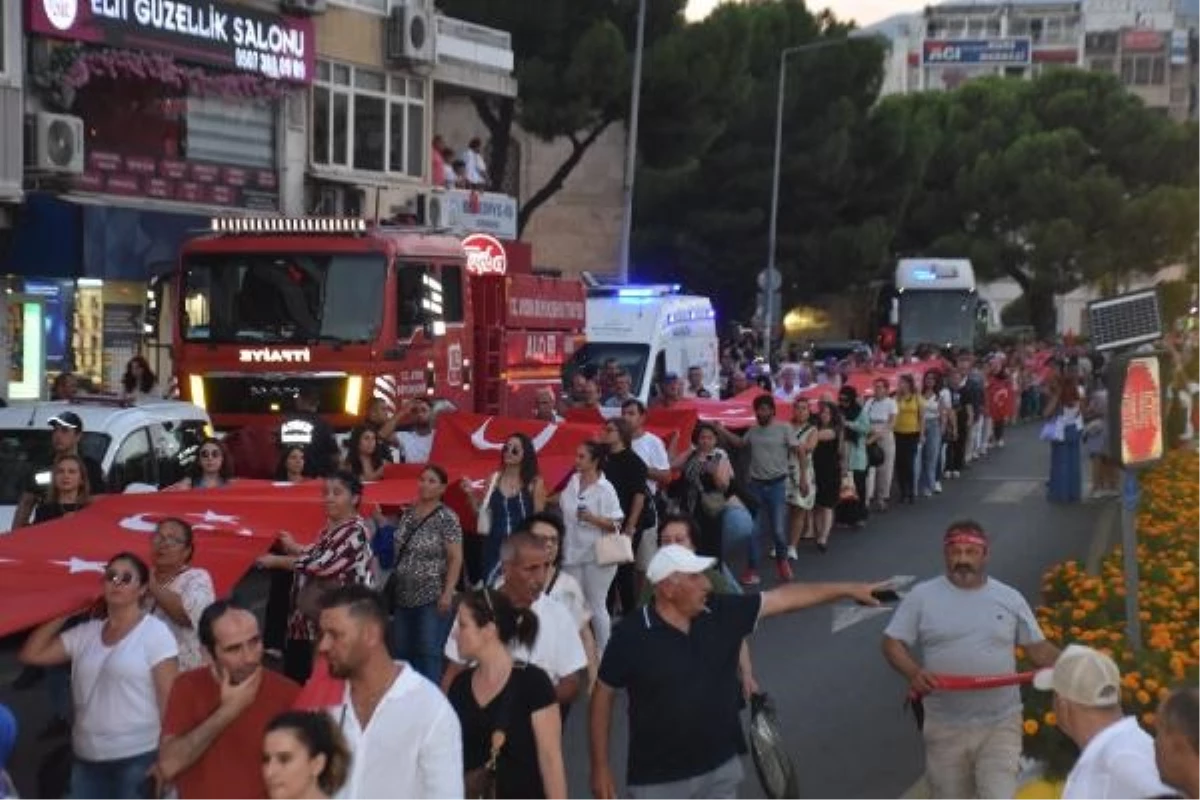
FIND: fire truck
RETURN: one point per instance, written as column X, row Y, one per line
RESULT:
column 264, row 308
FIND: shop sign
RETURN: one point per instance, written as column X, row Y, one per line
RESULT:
column 1179, row 48
column 175, row 179
column 1142, row 41
column 547, row 349
column 482, row 212
column 217, row 32
column 1006, row 52
column 485, row 255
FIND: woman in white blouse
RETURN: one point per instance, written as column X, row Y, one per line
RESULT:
column 122, row 668
column 179, row 592
column 590, row 510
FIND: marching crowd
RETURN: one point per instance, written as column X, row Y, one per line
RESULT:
column 419, row 659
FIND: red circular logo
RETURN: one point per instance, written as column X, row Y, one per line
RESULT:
column 1141, row 412
column 485, row 255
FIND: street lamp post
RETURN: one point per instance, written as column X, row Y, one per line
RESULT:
column 631, row 146
column 772, row 233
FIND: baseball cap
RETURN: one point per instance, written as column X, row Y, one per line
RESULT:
column 67, row 419
column 676, row 558
column 1084, row 676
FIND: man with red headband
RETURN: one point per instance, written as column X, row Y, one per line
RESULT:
column 966, row 623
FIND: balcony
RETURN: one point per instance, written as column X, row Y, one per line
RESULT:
column 474, row 57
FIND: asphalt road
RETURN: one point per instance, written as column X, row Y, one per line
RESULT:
column 840, row 706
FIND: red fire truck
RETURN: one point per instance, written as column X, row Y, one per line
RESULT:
column 270, row 306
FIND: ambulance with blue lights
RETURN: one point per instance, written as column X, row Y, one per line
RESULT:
column 650, row 331
column 262, row 309
column 935, row 302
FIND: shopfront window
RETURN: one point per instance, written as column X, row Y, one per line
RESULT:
column 368, row 121
column 281, row 298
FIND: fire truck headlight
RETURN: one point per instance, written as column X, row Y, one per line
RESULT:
column 354, row 386
column 196, row 385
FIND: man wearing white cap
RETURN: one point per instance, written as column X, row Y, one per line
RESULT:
column 677, row 657
column 1116, row 756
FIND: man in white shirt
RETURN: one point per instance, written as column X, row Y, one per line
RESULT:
column 653, row 452
column 558, row 649
column 477, row 170
column 1177, row 741
column 417, row 442
column 787, row 390
column 695, row 383
column 1116, row 757
column 403, row 734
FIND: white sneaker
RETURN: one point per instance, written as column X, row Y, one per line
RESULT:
column 937, row 487
column 1000, row 444
column 771, row 553
column 792, row 554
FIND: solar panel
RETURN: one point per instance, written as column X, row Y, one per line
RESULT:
column 1124, row 321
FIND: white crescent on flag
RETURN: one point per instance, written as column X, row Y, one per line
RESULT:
column 480, row 441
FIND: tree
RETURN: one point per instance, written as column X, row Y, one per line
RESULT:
column 1054, row 182
column 703, row 221
column 572, row 62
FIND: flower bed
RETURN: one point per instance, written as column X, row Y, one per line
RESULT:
column 1090, row 609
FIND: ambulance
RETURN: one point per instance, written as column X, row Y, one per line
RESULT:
column 650, row 331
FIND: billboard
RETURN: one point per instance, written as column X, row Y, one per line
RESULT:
column 1007, row 52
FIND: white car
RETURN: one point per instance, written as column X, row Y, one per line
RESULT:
column 148, row 444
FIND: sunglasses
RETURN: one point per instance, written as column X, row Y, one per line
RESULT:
column 210, row 453
column 119, row 577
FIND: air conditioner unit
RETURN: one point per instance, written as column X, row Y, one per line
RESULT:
column 410, row 33
column 436, row 211
column 54, row 143
column 303, row 7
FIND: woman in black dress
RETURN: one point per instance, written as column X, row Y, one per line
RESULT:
column 827, row 467
column 627, row 473
column 69, row 490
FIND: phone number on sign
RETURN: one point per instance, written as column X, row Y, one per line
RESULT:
column 271, row 65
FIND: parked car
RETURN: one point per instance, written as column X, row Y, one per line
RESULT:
column 149, row 443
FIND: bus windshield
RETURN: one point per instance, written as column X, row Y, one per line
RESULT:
column 937, row 317
column 283, row 297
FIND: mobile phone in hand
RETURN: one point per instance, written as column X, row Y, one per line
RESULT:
column 886, row 595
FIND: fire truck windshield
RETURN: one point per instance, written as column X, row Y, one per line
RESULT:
column 285, row 297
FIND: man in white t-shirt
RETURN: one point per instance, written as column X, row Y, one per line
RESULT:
column 1116, row 757
column 653, row 452
column 558, row 649
column 788, row 389
column 417, row 442
column 476, row 165
column 404, row 736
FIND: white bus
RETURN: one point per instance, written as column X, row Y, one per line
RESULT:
column 935, row 303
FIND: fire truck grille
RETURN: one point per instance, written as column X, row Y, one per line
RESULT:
column 256, row 394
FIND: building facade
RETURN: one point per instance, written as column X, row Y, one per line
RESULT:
column 1149, row 44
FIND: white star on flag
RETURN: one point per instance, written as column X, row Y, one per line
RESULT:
column 211, row 516
column 77, row 565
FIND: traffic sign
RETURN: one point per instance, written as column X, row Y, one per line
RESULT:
column 1136, row 402
column 770, row 280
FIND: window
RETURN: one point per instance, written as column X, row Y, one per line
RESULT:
column 177, row 444
column 1018, row 26
column 134, row 462
column 408, row 299
column 1143, row 70
column 1102, row 65
column 368, row 121
column 452, row 292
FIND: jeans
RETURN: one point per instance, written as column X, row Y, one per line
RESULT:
column 931, row 455
column 122, row 777
column 737, row 526
column 595, row 580
column 418, row 636
column 881, row 487
column 772, row 511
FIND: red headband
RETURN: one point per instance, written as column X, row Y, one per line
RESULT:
column 965, row 536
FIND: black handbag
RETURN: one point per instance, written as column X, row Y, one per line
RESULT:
column 875, row 454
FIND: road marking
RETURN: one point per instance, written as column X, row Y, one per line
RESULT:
column 1012, row 492
column 848, row 616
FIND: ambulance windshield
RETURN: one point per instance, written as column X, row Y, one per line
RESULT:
column 603, row 361
column 283, row 297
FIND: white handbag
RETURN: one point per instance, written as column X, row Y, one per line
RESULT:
column 613, row 548
column 483, row 520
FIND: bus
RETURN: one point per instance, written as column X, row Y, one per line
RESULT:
column 935, row 302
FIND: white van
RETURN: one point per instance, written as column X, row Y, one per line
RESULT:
column 650, row 331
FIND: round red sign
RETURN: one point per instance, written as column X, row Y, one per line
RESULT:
column 485, row 255
column 1141, row 412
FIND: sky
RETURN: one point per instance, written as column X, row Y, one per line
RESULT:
column 864, row 12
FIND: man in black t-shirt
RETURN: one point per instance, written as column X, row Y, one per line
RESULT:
column 677, row 657
column 306, row 428
column 66, row 431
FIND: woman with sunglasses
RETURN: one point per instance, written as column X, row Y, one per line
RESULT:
column 122, row 668
column 212, row 468
column 179, row 592
column 501, row 694
column 513, row 492
column 340, row 555
column 68, row 490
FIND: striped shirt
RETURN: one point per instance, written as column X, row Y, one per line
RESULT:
column 343, row 552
